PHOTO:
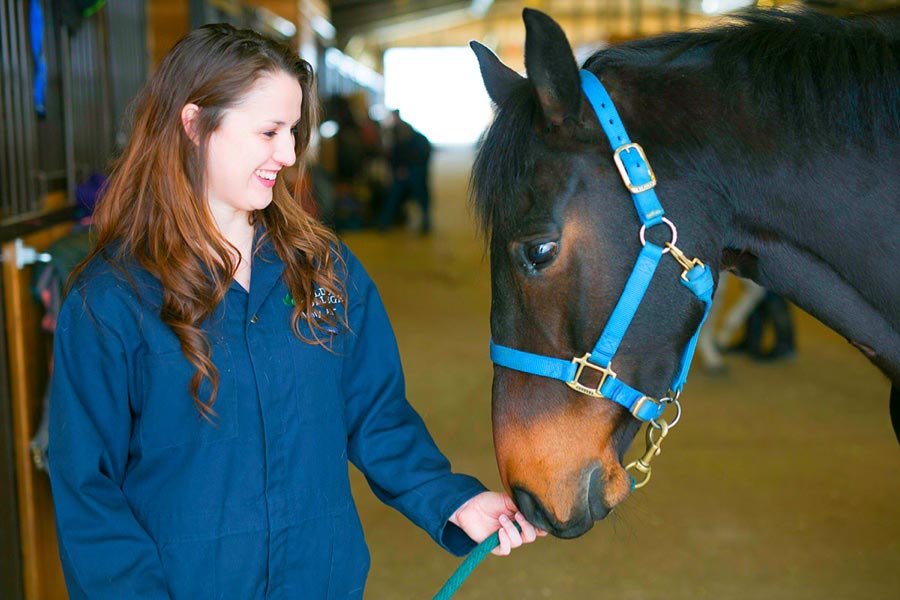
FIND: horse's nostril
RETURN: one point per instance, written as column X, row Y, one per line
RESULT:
column 596, row 493
column 532, row 510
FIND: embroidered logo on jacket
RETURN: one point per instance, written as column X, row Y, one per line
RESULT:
column 322, row 306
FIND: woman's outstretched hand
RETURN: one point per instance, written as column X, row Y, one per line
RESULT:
column 487, row 512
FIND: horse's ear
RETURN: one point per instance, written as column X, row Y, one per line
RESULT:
column 499, row 80
column 551, row 67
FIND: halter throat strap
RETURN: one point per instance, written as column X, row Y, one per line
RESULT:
column 638, row 177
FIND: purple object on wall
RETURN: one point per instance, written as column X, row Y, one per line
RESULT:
column 88, row 192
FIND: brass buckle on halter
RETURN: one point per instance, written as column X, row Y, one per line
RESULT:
column 584, row 389
column 640, row 404
column 634, row 189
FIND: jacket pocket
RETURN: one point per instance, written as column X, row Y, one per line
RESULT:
column 224, row 568
column 317, row 375
column 169, row 417
column 350, row 558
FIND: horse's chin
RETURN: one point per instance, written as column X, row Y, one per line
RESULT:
column 579, row 522
column 574, row 531
column 538, row 517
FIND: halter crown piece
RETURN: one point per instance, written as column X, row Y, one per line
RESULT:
column 640, row 181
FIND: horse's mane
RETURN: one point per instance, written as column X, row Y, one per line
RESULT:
column 821, row 77
column 812, row 68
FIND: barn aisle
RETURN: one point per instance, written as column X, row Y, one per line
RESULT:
column 782, row 481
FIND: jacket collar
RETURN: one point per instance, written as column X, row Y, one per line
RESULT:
column 265, row 272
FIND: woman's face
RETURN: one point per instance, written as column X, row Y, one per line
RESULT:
column 253, row 143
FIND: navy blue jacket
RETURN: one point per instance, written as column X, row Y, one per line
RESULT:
column 153, row 501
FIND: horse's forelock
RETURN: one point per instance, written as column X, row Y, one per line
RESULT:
column 504, row 159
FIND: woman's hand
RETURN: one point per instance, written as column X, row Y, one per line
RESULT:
column 487, row 512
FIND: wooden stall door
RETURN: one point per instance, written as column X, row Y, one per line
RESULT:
column 28, row 374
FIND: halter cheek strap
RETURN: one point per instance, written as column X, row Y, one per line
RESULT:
column 638, row 177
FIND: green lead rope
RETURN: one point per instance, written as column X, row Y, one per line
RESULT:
column 477, row 555
column 468, row 565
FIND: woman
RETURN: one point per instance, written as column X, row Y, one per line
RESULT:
column 220, row 356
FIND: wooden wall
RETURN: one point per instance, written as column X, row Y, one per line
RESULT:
column 27, row 364
column 167, row 22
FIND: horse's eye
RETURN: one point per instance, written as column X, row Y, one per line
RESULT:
column 542, row 254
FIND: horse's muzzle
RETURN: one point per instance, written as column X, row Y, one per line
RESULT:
column 582, row 518
column 534, row 511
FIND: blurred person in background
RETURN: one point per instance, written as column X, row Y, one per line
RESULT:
column 410, row 154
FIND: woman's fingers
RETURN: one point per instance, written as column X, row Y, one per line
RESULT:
column 529, row 531
column 509, row 527
column 509, row 536
column 504, row 548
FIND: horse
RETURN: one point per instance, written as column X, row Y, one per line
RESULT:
column 772, row 146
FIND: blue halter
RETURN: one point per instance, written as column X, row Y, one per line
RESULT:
column 640, row 181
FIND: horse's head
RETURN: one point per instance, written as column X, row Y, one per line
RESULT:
column 563, row 240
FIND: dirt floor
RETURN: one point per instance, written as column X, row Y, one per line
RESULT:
column 782, row 481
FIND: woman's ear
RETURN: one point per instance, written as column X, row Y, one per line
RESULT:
column 189, row 115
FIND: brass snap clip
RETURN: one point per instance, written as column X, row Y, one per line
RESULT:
column 642, row 465
column 686, row 263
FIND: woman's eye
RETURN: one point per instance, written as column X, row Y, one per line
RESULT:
column 294, row 131
column 270, row 134
column 542, row 253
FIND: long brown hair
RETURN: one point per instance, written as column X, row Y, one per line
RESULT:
column 154, row 209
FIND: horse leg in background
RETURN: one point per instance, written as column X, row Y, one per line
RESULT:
column 895, row 409
column 752, row 342
column 778, row 311
column 737, row 316
column 706, row 343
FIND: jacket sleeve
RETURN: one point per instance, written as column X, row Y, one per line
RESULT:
column 388, row 440
column 104, row 550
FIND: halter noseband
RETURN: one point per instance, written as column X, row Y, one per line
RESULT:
column 640, row 181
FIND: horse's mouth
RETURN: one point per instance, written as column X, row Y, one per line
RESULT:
column 537, row 515
column 593, row 509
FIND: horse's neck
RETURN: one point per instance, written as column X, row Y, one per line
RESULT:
column 825, row 234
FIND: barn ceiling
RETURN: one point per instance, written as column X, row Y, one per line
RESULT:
column 391, row 18
column 372, row 18
column 366, row 28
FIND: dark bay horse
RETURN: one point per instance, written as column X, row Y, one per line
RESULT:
column 775, row 142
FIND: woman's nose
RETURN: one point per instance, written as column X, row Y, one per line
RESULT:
column 286, row 154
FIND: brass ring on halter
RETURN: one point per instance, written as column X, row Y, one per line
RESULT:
column 677, row 410
column 671, row 228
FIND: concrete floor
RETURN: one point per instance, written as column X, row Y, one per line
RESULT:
column 782, row 481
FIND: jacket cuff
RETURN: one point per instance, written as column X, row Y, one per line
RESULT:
column 449, row 536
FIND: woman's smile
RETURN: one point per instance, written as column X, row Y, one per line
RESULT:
column 266, row 178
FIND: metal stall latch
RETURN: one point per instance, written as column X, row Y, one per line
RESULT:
column 26, row 255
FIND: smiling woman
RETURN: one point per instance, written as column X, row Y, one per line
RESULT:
column 254, row 142
column 221, row 356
